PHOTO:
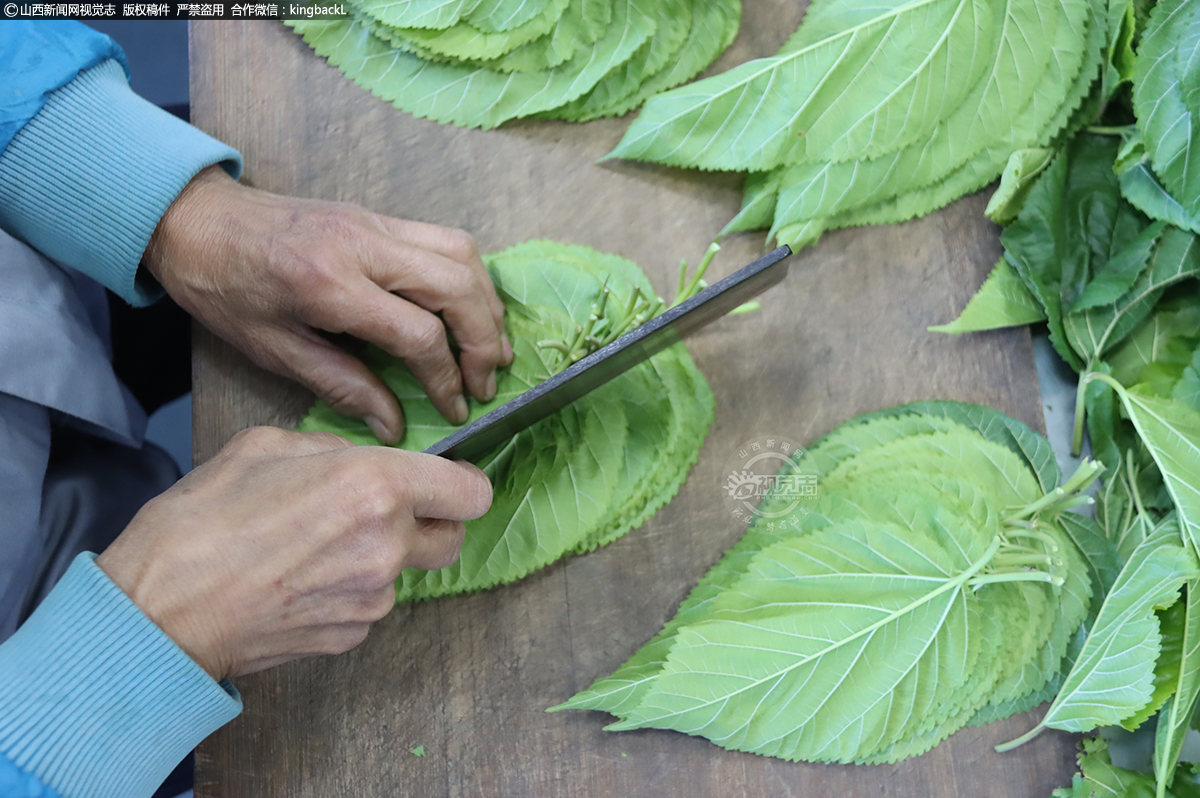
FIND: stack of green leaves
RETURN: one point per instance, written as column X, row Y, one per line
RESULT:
column 586, row 475
column 478, row 63
column 938, row 581
column 875, row 113
column 1101, row 245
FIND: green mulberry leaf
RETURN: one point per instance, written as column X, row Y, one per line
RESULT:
column 462, row 41
column 1016, row 180
column 1112, row 677
column 472, row 96
column 1177, row 713
column 906, row 48
column 1166, row 97
column 429, row 14
column 821, row 609
column 1144, row 192
column 1002, row 301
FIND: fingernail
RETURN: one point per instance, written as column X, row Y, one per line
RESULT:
column 508, row 353
column 379, row 429
column 461, row 411
column 489, row 390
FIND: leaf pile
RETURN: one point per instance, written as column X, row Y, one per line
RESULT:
column 874, row 113
column 936, row 582
column 586, row 475
column 478, row 63
column 1101, row 244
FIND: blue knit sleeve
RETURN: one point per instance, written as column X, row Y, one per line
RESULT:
column 86, row 179
column 95, row 700
column 16, row 783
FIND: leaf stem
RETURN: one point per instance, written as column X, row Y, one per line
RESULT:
column 1133, row 488
column 1024, row 738
column 1032, row 509
column 1014, row 560
column 1035, row 534
column 1080, row 403
column 1015, row 576
column 694, row 283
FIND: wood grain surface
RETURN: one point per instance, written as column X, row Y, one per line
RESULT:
column 469, row 677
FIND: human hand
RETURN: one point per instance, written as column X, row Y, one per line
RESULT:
column 287, row 544
column 269, row 273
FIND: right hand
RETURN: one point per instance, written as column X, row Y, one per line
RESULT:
column 287, row 544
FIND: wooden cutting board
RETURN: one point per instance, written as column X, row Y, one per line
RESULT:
column 469, row 677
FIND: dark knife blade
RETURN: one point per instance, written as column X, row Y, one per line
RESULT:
column 487, row 432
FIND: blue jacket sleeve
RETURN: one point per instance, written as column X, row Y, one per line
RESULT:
column 95, row 700
column 88, row 168
column 36, row 59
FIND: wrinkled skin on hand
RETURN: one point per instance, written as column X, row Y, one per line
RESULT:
column 287, row 544
column 269, row 274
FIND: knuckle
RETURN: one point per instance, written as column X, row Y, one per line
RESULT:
column 427, row 336
column 345, row 396
column 259, row 440
column 373, row 499
column 461, row 246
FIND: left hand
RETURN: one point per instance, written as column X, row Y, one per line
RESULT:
column 269, row 273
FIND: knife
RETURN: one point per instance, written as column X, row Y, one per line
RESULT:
column 485, row 433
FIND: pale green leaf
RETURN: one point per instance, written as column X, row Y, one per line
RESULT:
column 1175, row 719
column 581, row 24
column 435, row 14
column 463, row 41
column 713, row 27
column 1171, row 431
column 811, row 613
column 946, row 164
column 906, row 48
column 993, row 425
column 473, row 96
column 1166, row 100
column 618, row 90
column 1167, row 668
column 897, row 201
column 1113, row 674
column 498, row 16
column 1016, row 180
column 1002, row 301
column 759, row 193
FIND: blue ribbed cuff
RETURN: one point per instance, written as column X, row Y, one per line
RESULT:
column 95, row 700
column 86, row 180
